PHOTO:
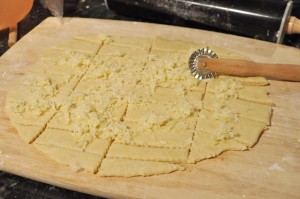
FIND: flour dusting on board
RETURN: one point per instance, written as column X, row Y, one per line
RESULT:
column 276, row 167
column 3, row 74
column 288, row 159
column 285, row 160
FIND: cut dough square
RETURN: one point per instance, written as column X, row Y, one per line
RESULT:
column 62, row 57
column 28, row 133
column 257, row 112
column 249, row 93
column 142, row 113
column 77, row 45
column 178, row 155
column 111, row 87
column 77, row 160
column 95, row 38
column 250, row 110
column 60, row 138
column 143, row 43
column 195, row 98
column 62, row 62
column 123, row 68
column 170, row 74
column 91, row 116
column 67, row 139
column 161, row 138
column 169, row 56
column 167, row 95
column 247, row 131
column 221, row 85
column 175, row 134
column 130, row 168
column 250, row 81
column 114, row 63
column 165, row 102
column 190, row 84
column 36, row 98
column 88, row 116
column 98, row 146
column 205, row 146
column 75, row 69
column 35, row 86
column 179, row 46
column 19, row 113
column 122, row 51
column 254, row 94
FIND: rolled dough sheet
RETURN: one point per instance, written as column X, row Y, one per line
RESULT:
column 130, row 168
column 139, row 95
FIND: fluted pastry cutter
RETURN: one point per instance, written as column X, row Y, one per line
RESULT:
column 205, row 64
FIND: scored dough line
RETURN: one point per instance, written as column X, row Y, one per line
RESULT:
column 106, row 152
column 194, row 132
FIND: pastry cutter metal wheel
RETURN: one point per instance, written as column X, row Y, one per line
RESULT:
column 203, row 64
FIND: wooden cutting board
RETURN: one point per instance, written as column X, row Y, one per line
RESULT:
column 270, row 170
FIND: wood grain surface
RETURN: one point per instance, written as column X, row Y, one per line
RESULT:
column 245, row 68
column 269, row 170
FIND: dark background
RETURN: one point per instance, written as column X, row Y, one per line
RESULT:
column 12, row 186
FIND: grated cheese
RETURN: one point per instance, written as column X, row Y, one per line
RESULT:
column 227, row 88
column 224, row 132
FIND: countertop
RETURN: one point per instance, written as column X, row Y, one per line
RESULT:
column 12, row 186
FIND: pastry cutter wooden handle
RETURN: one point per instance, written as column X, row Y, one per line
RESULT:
column 203, row 66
